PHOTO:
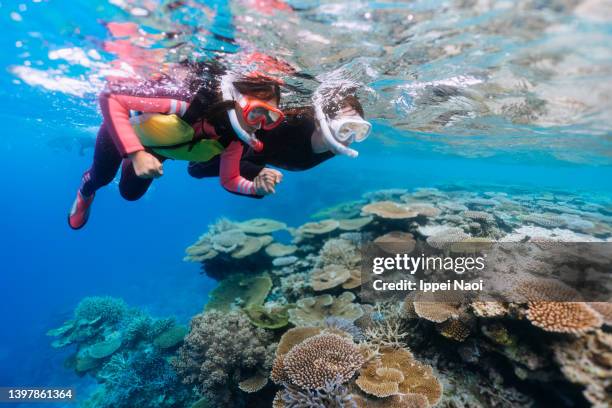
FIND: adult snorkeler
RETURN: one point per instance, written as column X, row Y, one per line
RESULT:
column 306, row 138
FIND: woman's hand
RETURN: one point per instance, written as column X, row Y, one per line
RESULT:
column 146, row 165
column 266, row 180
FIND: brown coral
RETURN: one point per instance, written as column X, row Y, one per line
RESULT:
column 311, row 311
column 322, row 359
column 604, row 309
column 396, row 242
column 454, row 329
column 382, row 377
column 389, row 210
column 563, row 317
column 277, row 250
column 354, row 224
column 532, row 289
column 261, row 226
column 318, row 228
column 587, row 360
column 489, row 308
column 253, row 384
column 329, row 277
column 354, row 280
column 438, row 307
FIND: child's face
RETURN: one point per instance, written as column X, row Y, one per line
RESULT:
column 240, row 112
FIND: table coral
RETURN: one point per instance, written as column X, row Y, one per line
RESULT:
column 313, row 310
column 397, row 372
column 389, row 210
column 563, row 317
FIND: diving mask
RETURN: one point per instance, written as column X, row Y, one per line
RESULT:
column 342, row 130
column 350, row 129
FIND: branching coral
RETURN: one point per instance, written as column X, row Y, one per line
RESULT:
column 140, row 379
column 332, row 395
column 221, row 350
column 109, row 309
column 341, row 252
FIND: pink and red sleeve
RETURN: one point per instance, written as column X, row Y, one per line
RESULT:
column 116, row 112
column 229, row 171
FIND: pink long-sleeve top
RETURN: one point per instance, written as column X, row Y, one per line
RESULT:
column 116, row 112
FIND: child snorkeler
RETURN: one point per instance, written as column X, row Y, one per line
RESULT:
column 195, row 113
column 306, row 138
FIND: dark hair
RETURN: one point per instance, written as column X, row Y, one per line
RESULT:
column 256, row 88
column 349, row 101
column 331, row 109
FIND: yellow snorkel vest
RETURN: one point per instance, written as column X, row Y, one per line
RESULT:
column 171, row 137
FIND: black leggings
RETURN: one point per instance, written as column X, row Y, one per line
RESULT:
column 106, row 162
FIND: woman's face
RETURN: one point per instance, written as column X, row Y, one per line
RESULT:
column 246, row 126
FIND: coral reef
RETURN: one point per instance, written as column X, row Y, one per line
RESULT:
column 221, row 350
column 295, row 310
column 127, row 352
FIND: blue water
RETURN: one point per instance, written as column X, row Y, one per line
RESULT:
column 134, row 250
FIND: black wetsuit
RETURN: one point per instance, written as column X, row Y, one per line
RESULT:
column 288, row 147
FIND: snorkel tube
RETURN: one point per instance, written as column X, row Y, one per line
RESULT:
column 229, row 94
column 328, row 138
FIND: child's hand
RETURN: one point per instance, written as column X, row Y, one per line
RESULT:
column 266, row 180
column 146, row 165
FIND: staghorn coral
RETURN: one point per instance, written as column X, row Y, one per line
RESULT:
column 389, row 210
column 397, row 372
column 222, row 349
column 563, row 317
column 320, row 359
column 310, row 311
column 387, row 333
